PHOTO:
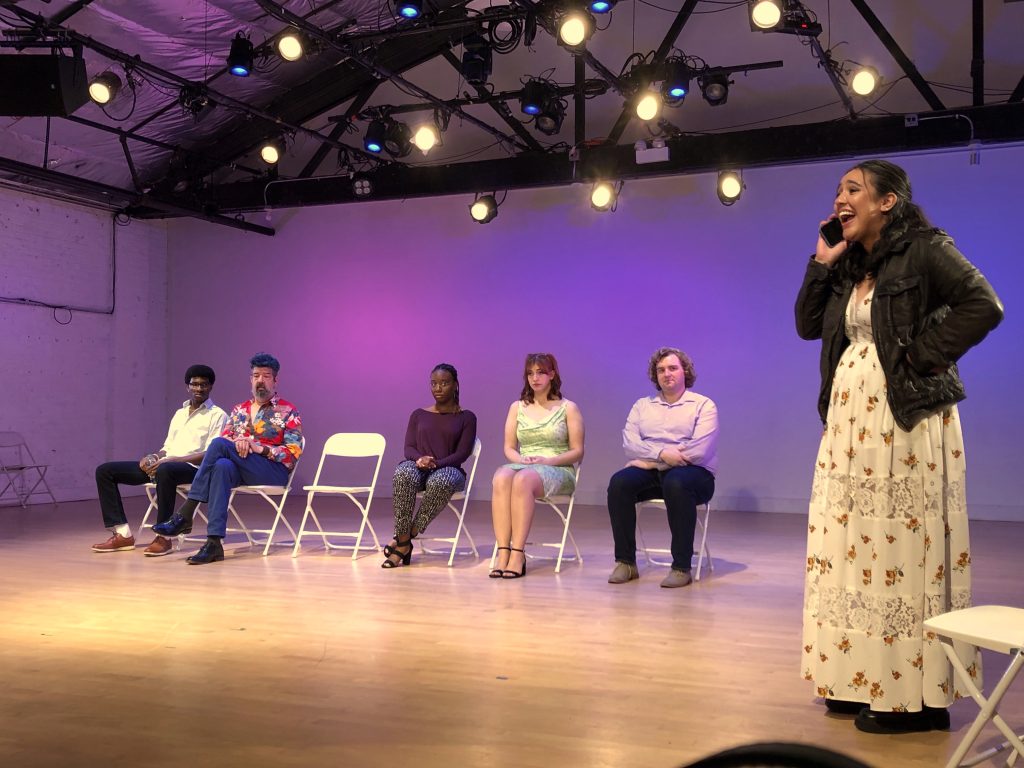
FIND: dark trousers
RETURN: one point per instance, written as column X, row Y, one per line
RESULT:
column 682, row 488
column 168, row 477
column 223, row 469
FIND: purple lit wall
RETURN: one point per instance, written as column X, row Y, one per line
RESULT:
column 360, row 301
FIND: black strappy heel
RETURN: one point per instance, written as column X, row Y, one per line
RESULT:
column 515, row 574
column 406, row 557
column 497, row 572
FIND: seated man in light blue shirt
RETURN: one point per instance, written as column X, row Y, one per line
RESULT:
column 670, row 440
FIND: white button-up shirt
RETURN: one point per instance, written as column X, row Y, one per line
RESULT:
column 690, row 423
column 191, row 433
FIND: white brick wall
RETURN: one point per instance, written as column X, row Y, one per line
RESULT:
column 83, row 387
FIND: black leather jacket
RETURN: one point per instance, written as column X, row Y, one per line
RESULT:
column 930, row 306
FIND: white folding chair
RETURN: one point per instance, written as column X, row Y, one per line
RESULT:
column 20, row 473
column 344, row 445
column 459, row 510
column 997, row 628
column 703, row 520
column 182, row 491
column 275, row 496
column 562, row 506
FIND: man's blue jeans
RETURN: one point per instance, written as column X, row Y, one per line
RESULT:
column 223, row 469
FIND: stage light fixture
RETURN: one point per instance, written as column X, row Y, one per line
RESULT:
column 575, row 28
column 104, row 88
column 730, row 187
column 397, row 139
column 240, row 56
column 409, row 9
column 271, row 151
column 484, row 209
column 714, row 87
column 362, row 186
column 765, row 14
column 373, row 139
column 477, row 60
column 648, row 104
column 676, row 84
column 602, row 6
column 291, row 46
column 604, row 195
column 426, row 137
column 865, row 80
column 535, row 95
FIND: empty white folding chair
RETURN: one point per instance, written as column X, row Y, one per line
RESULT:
column 561, row 506
column 997, row 628
column 702, row 551
column 275, row 496
column 344, row 445
column 459, row 510
column 21, row 475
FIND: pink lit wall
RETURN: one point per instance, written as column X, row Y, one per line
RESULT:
column 360, row 301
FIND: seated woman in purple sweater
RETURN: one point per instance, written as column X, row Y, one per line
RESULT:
column 439, row 439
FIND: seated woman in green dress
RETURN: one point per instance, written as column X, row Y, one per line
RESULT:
column 543, row 440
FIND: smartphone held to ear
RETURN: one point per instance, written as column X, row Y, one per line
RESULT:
column 832, row 232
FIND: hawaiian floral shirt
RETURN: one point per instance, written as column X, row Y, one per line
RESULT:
column 277, row 425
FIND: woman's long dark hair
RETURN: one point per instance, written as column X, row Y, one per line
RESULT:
column 904, row 218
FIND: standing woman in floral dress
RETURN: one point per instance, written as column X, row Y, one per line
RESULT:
column 895, row 305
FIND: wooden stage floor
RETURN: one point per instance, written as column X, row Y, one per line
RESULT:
column 123, row 660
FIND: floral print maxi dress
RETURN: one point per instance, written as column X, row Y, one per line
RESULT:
column 887, row 544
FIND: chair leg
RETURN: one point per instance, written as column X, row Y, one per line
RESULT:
column 989, row 708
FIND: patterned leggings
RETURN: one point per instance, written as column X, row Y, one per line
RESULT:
column 438, row 484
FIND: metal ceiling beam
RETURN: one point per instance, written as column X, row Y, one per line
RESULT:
column 666, row 45
column 61, row 16
column 897, row 53
column 117, row 199
column 499, row 106
column 978, row 52
column 340, row 127
column 358, row 56
column 694, row 153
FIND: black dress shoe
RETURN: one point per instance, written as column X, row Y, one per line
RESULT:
column 928, row 719
column 175, row 526
column 210, row 552
column 843, row 707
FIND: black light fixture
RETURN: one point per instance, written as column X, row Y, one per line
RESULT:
column 409, row 9
column 373, row 139
column 540, row 98
column 730, row 186
column 676, row 83
column 484, row 209
column 397, row 139
column 575, row 28
column 865, row 79
column 362, row 186
column 714, row 86
column 477, row 60
column 788, row 16
column 271, row 151
column 604, row 196
column 240, row 56
column 291, row 45
column 104, row 88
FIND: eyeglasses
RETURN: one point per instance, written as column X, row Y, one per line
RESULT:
column 199, row 384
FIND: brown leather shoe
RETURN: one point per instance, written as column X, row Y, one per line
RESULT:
column 161, row 545
column 676, row 579
column 116, row 543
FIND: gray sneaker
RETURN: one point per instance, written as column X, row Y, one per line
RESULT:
column 622, row 573
column 676, row 579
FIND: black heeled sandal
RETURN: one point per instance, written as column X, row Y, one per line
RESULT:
column 404, row 557
column 515, row 574
column 496, row 572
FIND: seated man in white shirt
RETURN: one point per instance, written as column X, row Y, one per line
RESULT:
column 192, row 428
column 670, row 440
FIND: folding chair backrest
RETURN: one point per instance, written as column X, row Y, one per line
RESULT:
column 474, row 459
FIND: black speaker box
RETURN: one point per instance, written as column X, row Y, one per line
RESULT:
column 33, row 84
